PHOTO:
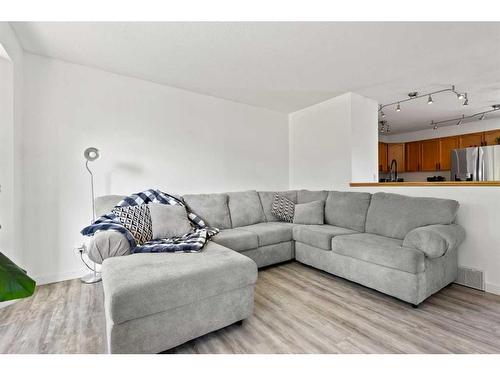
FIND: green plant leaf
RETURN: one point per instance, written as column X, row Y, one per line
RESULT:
column 14, row 282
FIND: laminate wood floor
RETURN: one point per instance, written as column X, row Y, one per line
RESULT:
column 297, row 310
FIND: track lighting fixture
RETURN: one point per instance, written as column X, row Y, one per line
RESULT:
column 475, row 116
column 416, row 95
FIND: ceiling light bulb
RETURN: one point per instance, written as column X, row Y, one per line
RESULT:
column 429, row 101
column 435, row 127
column 482, row 116
column 382, row 113
column 460, row 96
column 466, row 101
column 398, row 108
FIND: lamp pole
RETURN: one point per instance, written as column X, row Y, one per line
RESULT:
column 91, row 154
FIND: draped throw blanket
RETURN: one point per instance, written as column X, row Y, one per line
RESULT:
column 190, row 242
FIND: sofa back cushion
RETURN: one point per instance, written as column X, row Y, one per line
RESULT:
column 306, row 196
column 394, row 215
column 212, row 208
column 267, row 198
column 347, row 209
column 245, row 208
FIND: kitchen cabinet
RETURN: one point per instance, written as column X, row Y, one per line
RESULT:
column 445, row 146
column 470, row 140
column 490, row 137
column 412, row 156
column 429, row 155
column 382, row 157
column 396, row 151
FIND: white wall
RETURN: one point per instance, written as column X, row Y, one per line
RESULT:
column 332, row 142
column 149, row 135
column 11, row 79
column 6, row 155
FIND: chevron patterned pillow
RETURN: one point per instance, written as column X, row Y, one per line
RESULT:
column 137, row 219
column 283, row 208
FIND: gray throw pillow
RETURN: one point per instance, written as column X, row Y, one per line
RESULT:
column 168, row 220
column 310, row 213
column 283, row 208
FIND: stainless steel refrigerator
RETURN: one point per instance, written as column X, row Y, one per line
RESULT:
column 476, row 164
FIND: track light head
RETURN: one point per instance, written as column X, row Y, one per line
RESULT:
column 382, row 114
column 482, row 116
column 398, row 108
column 460, row 96
column 466, row 102
column 435, row 127
column 460, row 121
column 496, row 107
column 430, row 101
column 413, row 94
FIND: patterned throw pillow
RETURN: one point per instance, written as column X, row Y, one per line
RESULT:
column 137, row 219
column 283, row 208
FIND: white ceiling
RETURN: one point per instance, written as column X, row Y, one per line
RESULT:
column 289, row 66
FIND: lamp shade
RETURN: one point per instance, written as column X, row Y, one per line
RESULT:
column 91, row 154
column 14, row 283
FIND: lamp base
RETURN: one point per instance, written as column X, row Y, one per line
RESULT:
column 91, row 278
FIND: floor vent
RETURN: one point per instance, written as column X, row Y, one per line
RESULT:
column 471, row 278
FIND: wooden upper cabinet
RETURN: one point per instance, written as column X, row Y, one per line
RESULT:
column 396, row 151
column 382, row 157
column 470, row 140
column 429, row 155
column 445, row 146
column 412, row 156
column 490, row 137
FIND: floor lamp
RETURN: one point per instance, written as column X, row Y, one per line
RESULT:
column 91, row 154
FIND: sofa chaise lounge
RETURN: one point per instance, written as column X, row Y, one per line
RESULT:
column 403, row 246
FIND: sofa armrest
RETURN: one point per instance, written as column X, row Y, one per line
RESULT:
column 435, row 240
column 106, row 244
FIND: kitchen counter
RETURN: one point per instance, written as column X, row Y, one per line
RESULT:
column 424, row 184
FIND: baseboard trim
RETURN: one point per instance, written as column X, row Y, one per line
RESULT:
column 492, row 288
column 54, row 278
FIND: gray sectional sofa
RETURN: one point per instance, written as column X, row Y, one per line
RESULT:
column 402, row 246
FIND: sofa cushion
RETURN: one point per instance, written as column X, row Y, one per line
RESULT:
column 347, row 209
column 245, row 208
column 212, row 208
column 309, row 213
column 319, row 235
column 306, row 196
column 395, row 215
column 238, row 240
column 137, row 220
column 139, row 285
column 269, row 233
column 267, row 198
column 384, row 251
column 283, row 208
column 169, row 220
